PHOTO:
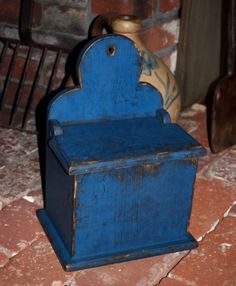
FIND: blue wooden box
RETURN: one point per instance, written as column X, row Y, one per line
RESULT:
column 119, row 175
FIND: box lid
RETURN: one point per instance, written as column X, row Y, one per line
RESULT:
column 92, row 147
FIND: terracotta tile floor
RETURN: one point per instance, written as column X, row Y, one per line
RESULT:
column 26, row 257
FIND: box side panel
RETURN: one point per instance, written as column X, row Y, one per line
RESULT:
column 59, row 199
column 133, row 208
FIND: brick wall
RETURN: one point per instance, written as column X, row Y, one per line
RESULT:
column 64, row 23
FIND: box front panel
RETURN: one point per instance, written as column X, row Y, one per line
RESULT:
column 59, row 199
column 133, row 208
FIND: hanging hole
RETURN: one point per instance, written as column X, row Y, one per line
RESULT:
column 111, row 51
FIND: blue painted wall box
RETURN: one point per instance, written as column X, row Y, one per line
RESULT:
column 119, row 175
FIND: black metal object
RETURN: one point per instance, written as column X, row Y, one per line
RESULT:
column 14, row 113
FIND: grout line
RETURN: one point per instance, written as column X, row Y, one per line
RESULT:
column 70, row 281
column 167, row 274
column 181, row 279
column 229, row 209
column 12, row 255
column 212, row 228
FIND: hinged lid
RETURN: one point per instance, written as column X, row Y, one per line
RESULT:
column 92, row 147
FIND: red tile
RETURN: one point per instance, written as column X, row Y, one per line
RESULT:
column 214, row 261
column 140, row 272
column 19, row 226
column 211, row 200
column 36, row 265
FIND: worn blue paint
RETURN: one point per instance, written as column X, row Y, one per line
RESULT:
column 119, row 175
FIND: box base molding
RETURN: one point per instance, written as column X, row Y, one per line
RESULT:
column 71, row 263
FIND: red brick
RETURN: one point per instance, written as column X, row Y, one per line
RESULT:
column 233, row 211
column 166, row 60
column 31, row 70
column 205, row 161
column 212, row 198
column 10, row 93
column 145, row 9
column 104, row 6
column 193, row 120
column 24, row 95
column 37, row 14
column 147, row 271
column 171, row 282
column 161, row 36
column 5, row 65
column 19, row 64
column 3, row 259
column 10, row 12
column 35, row 197
column 19, row 67
column 39, row 93
column 19, row 226
column 21, row 177
column 214, row 261
column 224, row 167
column 37, row 265
column 19, row 165
column 22, row 145
column 60, row 74
column 169, row 5
column 65, row 19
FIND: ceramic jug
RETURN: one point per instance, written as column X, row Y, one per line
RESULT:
column 154, row 71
